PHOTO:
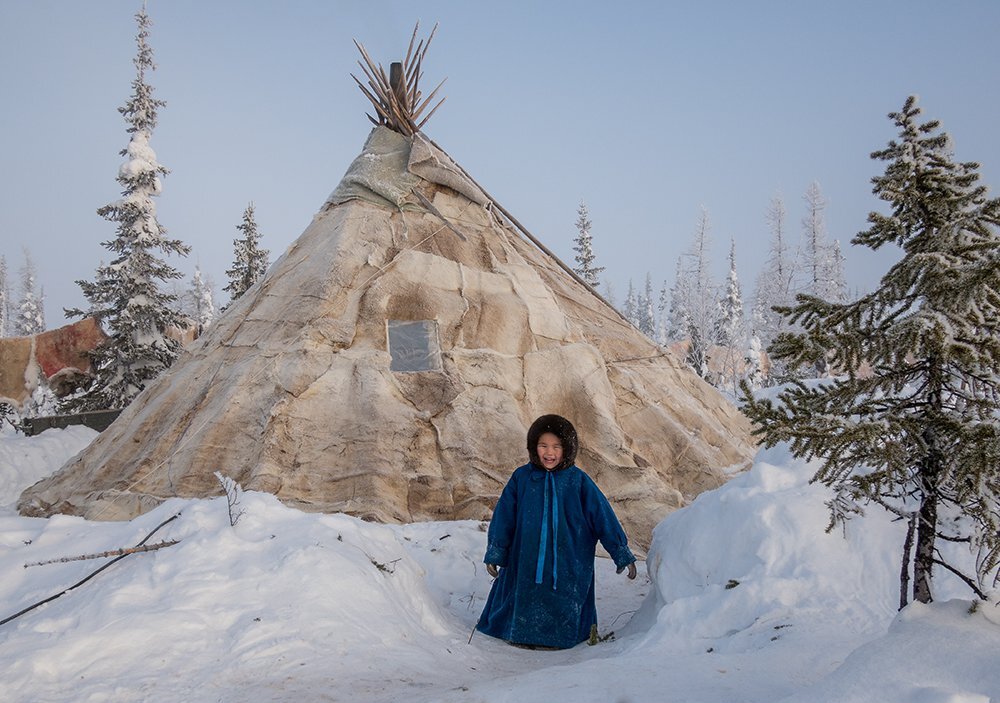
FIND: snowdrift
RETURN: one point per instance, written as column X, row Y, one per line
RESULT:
column 749, row 600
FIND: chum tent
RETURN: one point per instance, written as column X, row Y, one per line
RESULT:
column 389, row 363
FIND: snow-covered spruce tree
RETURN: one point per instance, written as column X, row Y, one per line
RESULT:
column 8, row 415
column 201, row 303
column 753, row 360
column 774, row 285
column 40, row 316
column 4, row 299
column 583, row 245
column 29, row 314
column 125, row 295
column 918, row 434
column 646, row 311
column 730, row 325
column 250, row 261
column 730, row 328
column 43, row 400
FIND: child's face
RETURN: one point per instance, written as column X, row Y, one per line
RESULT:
column 550, row 451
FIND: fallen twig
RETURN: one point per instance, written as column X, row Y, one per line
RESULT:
column 111, row 553
column 88, row 577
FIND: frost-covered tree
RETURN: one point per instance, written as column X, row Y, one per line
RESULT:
column 753, row 360
column 918, row 434
column 814, row 251
column 697, row 352
column 8, row 415
column 699, row 296
column 822, row 262
column 29, row 314
column 250, row 260
column 583, row 245
column 730, row 328
column 200, row 301
column 663, row 316
column 836, row 280
column 609, row 293
column 43, row 400
column 40, row 316
column 774, row 286
column 631, row 309
column 125, row 295
column 819, row 264
column 678, row 315
column 645, row 310
column 4, row 299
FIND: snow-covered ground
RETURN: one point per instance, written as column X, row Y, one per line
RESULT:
column 746, row 599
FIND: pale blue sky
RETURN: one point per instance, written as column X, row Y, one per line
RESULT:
column 647, row 110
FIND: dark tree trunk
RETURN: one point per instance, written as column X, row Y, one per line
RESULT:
column 929, row 475
column 923, row 562
column 904, row 570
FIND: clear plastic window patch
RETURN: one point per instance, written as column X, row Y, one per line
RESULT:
column 414, row 346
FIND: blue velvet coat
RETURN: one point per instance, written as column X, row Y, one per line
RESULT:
column 543, row 535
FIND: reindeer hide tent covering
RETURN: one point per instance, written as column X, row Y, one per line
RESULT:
column 388, row 366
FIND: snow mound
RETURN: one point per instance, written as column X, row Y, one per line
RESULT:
column 26, row 460
column 278, row 600
column 744, row 564
column 935, row 644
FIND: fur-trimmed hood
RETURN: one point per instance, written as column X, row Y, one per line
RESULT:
column 561, row 428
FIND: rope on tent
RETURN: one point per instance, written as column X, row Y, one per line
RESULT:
column 534, row 240
column 386, row 266
column 430, row 206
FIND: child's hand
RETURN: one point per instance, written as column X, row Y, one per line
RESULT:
column 631, row 570
column 493, row 570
